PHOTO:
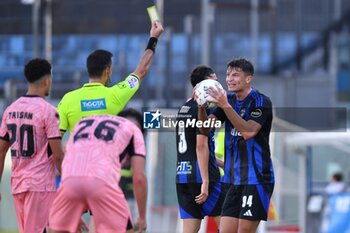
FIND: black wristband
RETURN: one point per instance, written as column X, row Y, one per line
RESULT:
column 152, row 43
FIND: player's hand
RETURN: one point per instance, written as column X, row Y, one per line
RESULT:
column 202, row 197
column 142, row 225
column 194, row 92
column 196, row 97
column 157, row 29
column 219, row 96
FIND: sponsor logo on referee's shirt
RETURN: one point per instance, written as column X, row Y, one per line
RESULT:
column 95, row 104
column 133, row 82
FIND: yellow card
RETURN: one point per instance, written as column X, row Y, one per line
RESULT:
column 153, row 14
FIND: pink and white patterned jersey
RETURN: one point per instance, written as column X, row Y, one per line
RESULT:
column 136, row 147
column 95, row 146
column 28, row 124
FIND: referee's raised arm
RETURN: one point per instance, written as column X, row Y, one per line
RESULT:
column 146, row 60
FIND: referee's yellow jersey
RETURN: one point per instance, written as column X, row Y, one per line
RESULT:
column 95, row 99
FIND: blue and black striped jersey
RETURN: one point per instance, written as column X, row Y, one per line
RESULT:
column 248, row 161
column 187, row 170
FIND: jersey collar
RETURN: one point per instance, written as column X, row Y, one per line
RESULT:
column 93, row 84
column 32, row 96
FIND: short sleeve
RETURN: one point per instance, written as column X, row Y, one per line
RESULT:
column 4, row 135
column 63, row 120
column 261, row 110
column 125, row 90
column 52, row 124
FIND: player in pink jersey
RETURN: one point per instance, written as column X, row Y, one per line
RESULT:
column 91, row 173
column 30, row 128
column 133, row 180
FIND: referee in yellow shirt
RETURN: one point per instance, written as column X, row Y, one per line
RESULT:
column 95, row 97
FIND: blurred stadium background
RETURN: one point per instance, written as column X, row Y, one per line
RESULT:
column 301, row 52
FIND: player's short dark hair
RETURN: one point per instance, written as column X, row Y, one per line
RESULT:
column 200, row 73
column 36, row 68
column 243, row 64
column 338, row 177
column 132, row 113
column 98, row 61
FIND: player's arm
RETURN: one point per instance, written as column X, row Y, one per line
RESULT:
column 126, row 89
column 54, row 137
column 140, row 188
column 220, row 162
column 4, row 146
column 248, row 129
column 61, row 109
column 203, row 116
column 139, row 178
column 146, row 60
column 57, row 152
column 202, row 150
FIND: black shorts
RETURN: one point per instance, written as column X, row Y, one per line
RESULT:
column 249, row 202
column 225, row 187
column 129, row 226
column 186, row 194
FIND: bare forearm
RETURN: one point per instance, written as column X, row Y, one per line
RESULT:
column 57, row 152
column 144, row 64
column 58, row 163
column 202, row 150
column 202, row 116
column 146, row 60
column 203, row 158
column 246, row 129
column 220, row 162
column 235, row 119
column 140, row 192
column 4, row 146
